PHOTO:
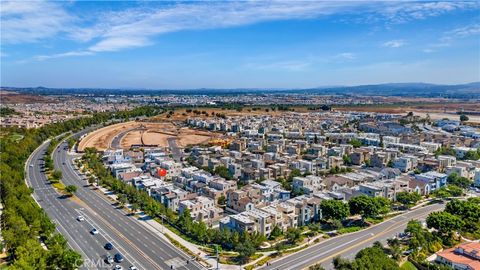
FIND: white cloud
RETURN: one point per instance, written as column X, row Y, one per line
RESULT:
column 61, row 55
column 462, row 32
column 346, row 56
column 23, row 22
column 449, row 37
column 402, row 12
column 397, row 43
column 137, row 27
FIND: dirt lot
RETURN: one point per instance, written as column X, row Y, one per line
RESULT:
column 10, row 97
column 435, row 111
column 148, row 133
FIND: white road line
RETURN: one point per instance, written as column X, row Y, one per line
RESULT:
column 73, row 240
column 110, row 239
column 317, row 254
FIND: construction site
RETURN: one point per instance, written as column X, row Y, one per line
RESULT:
column 146, row 134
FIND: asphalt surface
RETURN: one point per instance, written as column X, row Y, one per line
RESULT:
column 64, row 213
column 177, row 152
column 144, row 248
column 117, row 139
column 348, row 245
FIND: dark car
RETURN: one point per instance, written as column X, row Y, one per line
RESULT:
column 118, row 257
column 109, row 246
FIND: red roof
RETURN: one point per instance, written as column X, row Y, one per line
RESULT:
column 459, row 258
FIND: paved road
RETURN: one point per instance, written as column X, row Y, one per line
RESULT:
column 117, row 139
column 140, row 245
column 177, row 152
column 63, row 212
column 348, row 245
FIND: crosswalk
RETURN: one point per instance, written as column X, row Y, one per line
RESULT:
column 176, row 262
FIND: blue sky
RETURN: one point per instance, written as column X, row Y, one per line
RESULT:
column 228, row 44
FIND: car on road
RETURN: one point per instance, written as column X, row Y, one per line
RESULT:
column 108, row 246
column 94, row 231
column 118, row 257
column 109, row 259
column 118, row 267
column 80, row 218
column 132, row 267
column 31, row 165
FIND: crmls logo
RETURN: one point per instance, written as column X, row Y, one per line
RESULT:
column 89, row 263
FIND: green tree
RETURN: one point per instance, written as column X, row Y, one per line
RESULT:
column 316, row 267
column 382, row 204
column 134, row 207
column 91, row 180
column 221, row 200
column 456, row 180
column 472, row 155
column 455, row 190
column 245, row 251
column 71, row 189
column 441, row 193
column 293, row 235
column 355, row 143
column 395, row 248
column 364, row 206
column 341, row 263
column 294, row 173
column 334, row 210
column 57, row 174
column 468, row 211
column 122, row 199
column 223, row 172
column 408, row 199
column 464, row 118
column 445, row 223
column 276, row 232
column 373, row 258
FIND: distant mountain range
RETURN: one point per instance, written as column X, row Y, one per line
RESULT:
column 470, row 90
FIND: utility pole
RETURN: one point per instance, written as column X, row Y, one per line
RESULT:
column 218, row 258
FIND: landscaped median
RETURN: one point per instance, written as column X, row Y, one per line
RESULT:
column 55, row 176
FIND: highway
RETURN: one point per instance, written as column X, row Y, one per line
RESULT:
column 63, row 212
column 348, row 245
column 140, row 245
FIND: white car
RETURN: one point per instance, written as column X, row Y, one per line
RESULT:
column 31, row 165
column 132, row 267
column 118, row 267
column 80, row 218
column 94, row 231
column 109, row 259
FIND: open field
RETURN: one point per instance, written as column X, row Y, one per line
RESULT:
column 10, row 97
column 181, row 114
column 436, row 111
column 144, row 133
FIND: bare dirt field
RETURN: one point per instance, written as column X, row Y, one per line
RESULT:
column 132, row 137
column 155, row 137
column 144, row 133
column 435, row 111
column 10, row 97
